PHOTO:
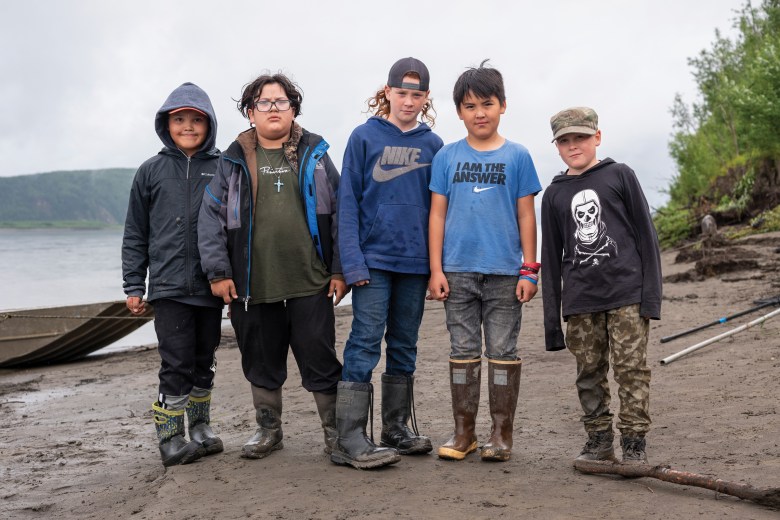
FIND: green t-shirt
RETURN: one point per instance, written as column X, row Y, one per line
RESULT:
column 285, row 263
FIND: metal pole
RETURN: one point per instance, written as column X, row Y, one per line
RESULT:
column 774, row 301
column 762, row 319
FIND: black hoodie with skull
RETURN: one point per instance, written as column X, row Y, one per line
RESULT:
column 598, row 238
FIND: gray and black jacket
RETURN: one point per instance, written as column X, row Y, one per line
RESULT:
column 161, row 231
column 227, row 212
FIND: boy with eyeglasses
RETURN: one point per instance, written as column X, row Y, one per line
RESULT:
column 266, row 236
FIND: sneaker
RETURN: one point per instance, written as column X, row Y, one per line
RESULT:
column 598, row 447
column 633, row 450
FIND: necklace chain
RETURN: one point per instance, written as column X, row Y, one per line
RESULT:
column 278, row 182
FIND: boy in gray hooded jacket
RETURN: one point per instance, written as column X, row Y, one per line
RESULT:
column 161, row 237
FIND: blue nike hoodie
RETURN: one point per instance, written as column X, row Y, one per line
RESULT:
column 384, row 199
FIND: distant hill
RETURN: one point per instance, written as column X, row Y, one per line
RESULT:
column 89, row 198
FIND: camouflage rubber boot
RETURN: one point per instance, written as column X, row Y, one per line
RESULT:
column 503, row 388
column 633, row 449
column 397, row 405
column 599, row 447
column 199, row 419
column 326, row 408
column 268, row 413
column 174, row 448
column 464, row 386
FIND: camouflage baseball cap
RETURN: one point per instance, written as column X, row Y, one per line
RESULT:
column 576, row 120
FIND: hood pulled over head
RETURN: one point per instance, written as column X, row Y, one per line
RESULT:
column 187, row 95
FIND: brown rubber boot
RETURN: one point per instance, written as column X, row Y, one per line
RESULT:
column 464, row 385
column 503, row 387
column 326, row 407
column 268, row 412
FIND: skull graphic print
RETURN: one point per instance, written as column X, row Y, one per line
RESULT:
column 593, row 247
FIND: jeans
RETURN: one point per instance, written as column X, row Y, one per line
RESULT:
column 478, row 301
column 391, row 304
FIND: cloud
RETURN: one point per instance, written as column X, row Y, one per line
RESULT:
column 83, row 79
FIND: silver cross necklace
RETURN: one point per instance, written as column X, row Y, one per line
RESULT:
column 278, row 182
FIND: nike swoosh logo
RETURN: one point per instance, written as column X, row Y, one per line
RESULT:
column 477, row 189
column 381, row 175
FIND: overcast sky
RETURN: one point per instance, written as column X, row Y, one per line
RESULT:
column 82, row 80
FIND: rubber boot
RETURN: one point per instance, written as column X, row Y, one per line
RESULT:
column 503, row 387
column 464, row 385
column 354, row 447
column 268, row 413
column 397, row 407
column 326, row 407
column 174, row 448
column 199, row 418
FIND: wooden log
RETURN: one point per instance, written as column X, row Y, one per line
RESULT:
column 767, row 497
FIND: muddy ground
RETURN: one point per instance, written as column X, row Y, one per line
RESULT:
column 78, row 442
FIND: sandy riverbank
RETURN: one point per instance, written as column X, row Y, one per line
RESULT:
column 78, row 441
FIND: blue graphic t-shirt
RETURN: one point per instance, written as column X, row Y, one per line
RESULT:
column 481, row 234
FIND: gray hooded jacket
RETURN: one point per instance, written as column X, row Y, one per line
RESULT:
column 161, row 229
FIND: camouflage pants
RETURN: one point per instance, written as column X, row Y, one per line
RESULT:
column 620, row 334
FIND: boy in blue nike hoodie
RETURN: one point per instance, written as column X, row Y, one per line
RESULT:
column 383, row 242
column 161, row 238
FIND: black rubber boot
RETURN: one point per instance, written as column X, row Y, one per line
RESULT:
column 199, row 419
column 326, row 408
column 599, row 446
column 354, row 447
column 397, row 408
column 174, row 448
column 465, row 376
column 503, row 389
column 268, row 413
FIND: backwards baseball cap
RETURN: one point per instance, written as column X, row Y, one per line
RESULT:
column 188, row 108
column 577, row 120
column 403, row 67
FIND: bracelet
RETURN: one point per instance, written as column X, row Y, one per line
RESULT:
column 526, row 277
column 531, row 267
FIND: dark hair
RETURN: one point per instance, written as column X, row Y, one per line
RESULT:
column 482, row 82
column 253, row 89
column 380, row 106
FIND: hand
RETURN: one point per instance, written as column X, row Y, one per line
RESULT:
column 361, row 283
column 438, row 287
column 338, row 288
column 224, row 289
column 136, row 305
column 525, row 291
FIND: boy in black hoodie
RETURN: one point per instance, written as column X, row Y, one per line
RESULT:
column 598, row 236
column 161, row 237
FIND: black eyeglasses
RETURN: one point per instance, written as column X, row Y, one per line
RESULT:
column 282, row 105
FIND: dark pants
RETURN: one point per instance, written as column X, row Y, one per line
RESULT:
column 188, row 337
column 266, row 331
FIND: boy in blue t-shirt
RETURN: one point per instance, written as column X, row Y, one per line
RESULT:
column 482, row 226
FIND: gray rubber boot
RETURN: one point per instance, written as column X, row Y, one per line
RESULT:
column 326, row 407
column 199, row 419
column 268, row 413
column 174, row 448
column 503, row 389
column 354, row 447
column 397, row 406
